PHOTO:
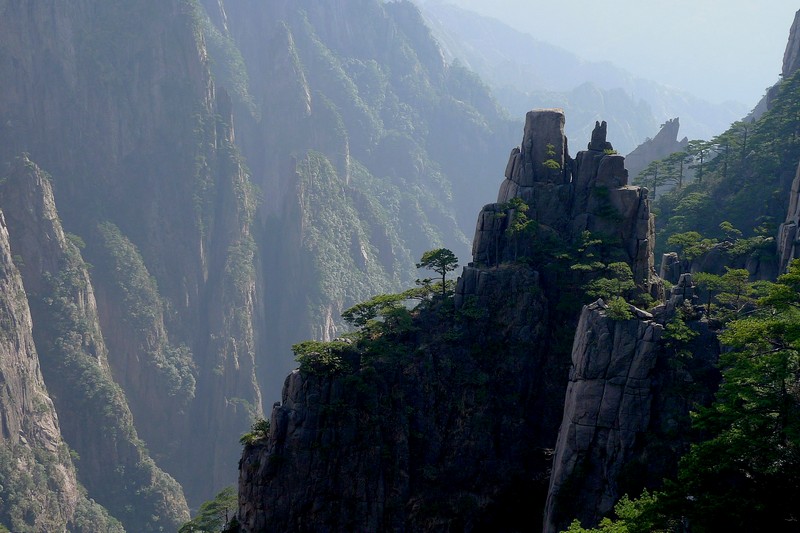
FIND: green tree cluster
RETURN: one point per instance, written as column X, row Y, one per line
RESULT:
column 215, row 516
column 376, row 318
column 742, row 175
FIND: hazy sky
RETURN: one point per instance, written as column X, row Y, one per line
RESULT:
column 717, row 49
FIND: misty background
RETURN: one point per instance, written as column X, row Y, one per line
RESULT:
column 718, row 50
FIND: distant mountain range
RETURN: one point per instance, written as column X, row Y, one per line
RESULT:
column 524, row 73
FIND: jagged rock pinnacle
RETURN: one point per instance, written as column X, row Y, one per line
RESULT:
column 598, row 142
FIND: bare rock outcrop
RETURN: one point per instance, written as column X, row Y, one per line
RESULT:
column 626, row 413
column 454, row 430
column 607, row 408
column 791, row 56
column 436, row 437
column 788, row 237
column 791, row 62
column 39, row 489
column 664, row 143
column 567, row 197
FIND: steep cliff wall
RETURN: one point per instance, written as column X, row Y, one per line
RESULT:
column 367, row 147
column 351, row 124
column 607, row 407
column 447, row 423
column 788, row 238
column 627, row 407
column 95, row 419
column 40, row 491
column 566, row 198
column 433, row 434
column 116, row 100
column 791, row 62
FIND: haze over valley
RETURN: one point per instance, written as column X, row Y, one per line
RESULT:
column 358, row 265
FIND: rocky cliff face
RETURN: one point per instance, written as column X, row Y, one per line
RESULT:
column 351, row 124
column 626, row 413
column 115, row 467
column 663, row 144
column 791, row 57
column 450, row 427
column 569, row 197
column 40, row 491
column 116, row 100
column 434, row 435
column 791, row 62
column 788, row 238
column 366, row 130
column 607, row 408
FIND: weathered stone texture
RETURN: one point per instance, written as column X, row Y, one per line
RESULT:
column 791, row 56
column 788, row 238
column 589, row 193
column 29, row 429
column 74, row 357
column 607, row 408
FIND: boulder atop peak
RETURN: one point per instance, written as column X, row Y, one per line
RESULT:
column 598, row 142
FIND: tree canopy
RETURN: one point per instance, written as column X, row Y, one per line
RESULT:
column 441, row 261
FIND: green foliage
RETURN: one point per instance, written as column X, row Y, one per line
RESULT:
column 441, row 261
column 616, row 279
column 339, row 236
column 640, row 515
column 591, row 254
column 520, row 225
column 743, row 473
column 677, row 333
column 258, row 431
column 76, row 240
column 653, row 176
column 214, row 516
column 69, row 345
column 730, row 232
column 675, row 166
column 363, row 313
column 743, row 175
column 619, row 309
column 551, row 163
column 143, row 309
column 229, row 67
column 732, row 292
column 90, row 517
column 317, row 357
column 690, row 244
column 29, row 499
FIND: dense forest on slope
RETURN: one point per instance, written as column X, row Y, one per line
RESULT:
column 745, row 176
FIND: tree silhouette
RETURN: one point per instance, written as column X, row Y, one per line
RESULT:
column 441, row 261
